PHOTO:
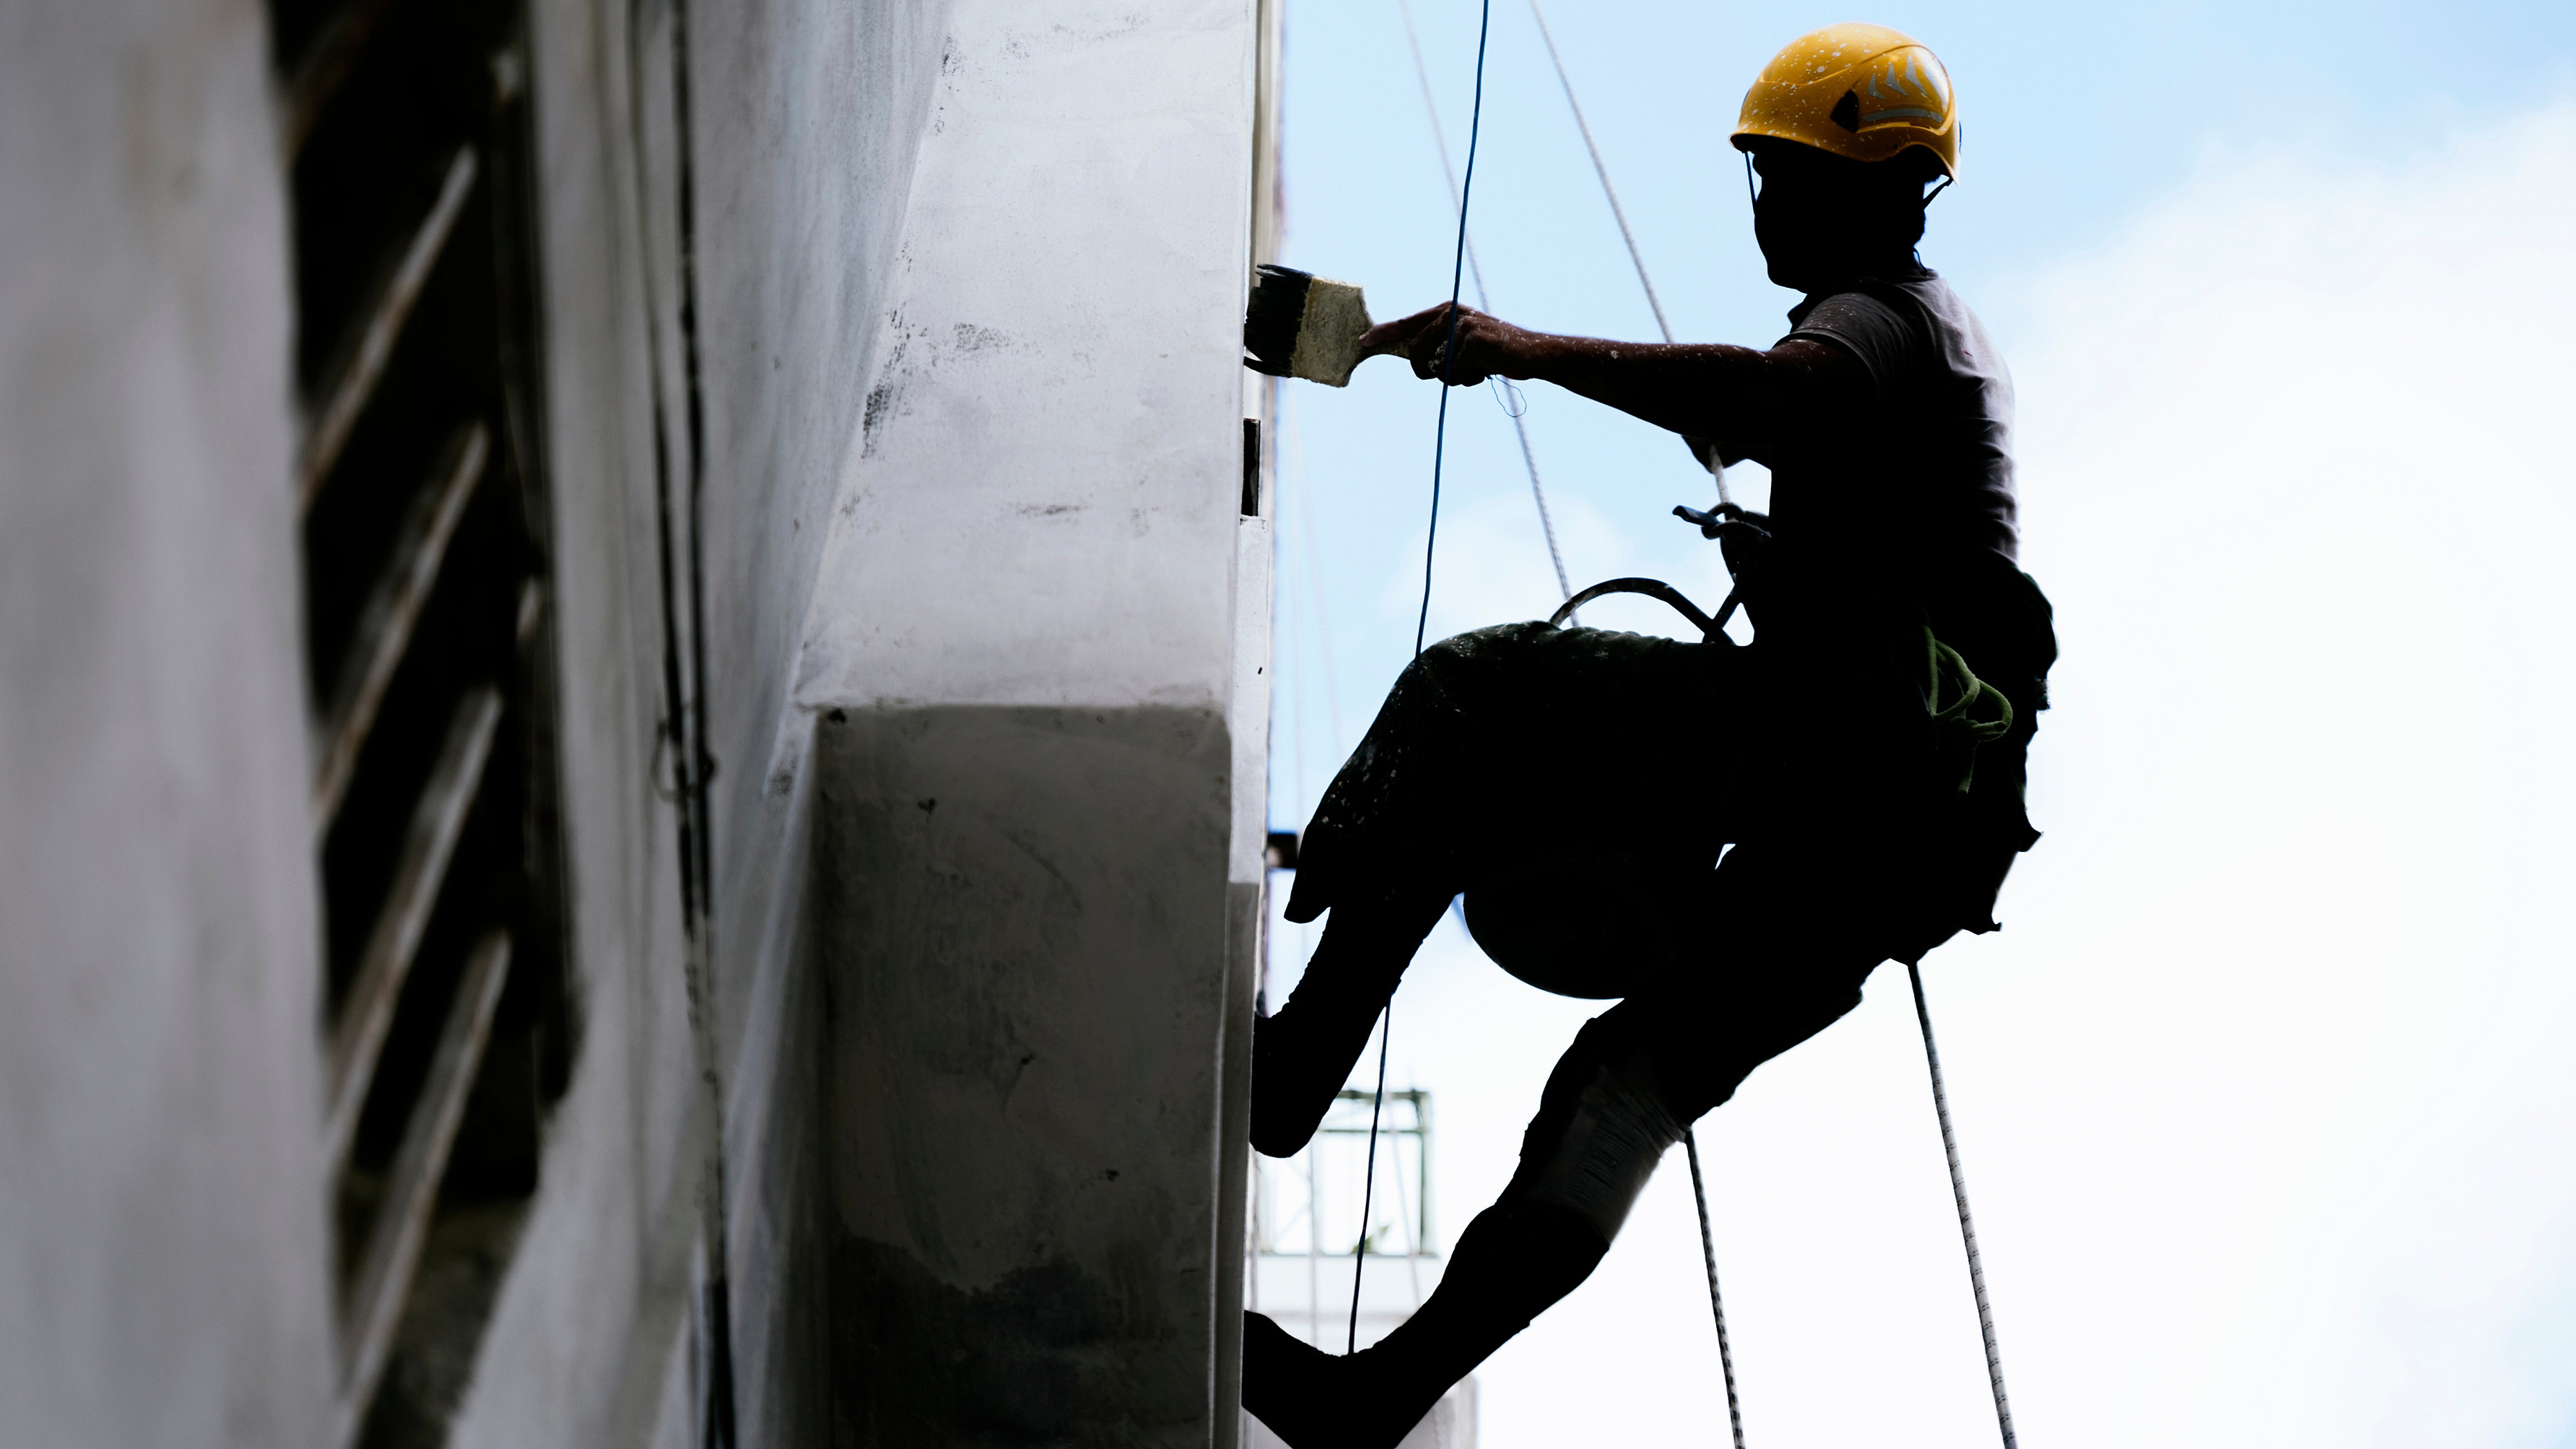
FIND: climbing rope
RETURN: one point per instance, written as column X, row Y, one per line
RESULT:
column 1449, row 345
column 1602, row 170
column 1922, row 1012
column 1618, row 213
column 1967, row 1224
column 1485, row 301
column 1359, row 1253
column 1717, row 472
column 1461, row 190
column 1716, row 1303
column 1422, row 621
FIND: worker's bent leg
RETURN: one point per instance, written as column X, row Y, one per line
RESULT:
column 1599, row 1131
column 1520, row 739
column 1615, row 1102
column 1302, row 1053
column 1493, row 749
column 1511, row 1262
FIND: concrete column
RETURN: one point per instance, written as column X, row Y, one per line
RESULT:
column 1030, row 679
column 163, row 1249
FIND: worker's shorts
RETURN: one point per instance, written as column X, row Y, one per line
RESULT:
column 1579, row 785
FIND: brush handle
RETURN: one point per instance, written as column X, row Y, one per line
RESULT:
column 1334, row 319
column 1297, row 324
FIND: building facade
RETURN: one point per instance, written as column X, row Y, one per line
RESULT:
column 632, row 719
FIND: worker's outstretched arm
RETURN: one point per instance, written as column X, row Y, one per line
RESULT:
column 1751, row 404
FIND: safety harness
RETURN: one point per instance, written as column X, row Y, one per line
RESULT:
column 1965, row 713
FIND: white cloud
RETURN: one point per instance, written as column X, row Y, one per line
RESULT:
column 2266, row 1093
column 2299, row 482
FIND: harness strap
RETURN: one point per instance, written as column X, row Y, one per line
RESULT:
column 1966, row 712
column 1653, row 589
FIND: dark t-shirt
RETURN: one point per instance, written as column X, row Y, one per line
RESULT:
column 1946, row 409
column 1907, row 505
column 1911, row 503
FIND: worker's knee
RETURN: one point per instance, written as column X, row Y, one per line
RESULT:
column 1473, row 654
column 1602, row 1127
column 1704, row 1046
column 1544, row 1249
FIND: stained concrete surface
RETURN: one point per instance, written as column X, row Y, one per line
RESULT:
column 1022, row 934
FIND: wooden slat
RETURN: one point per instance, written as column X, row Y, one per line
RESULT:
column 532, row 611
column 346, row 395
column 384, row 629
column 386, row 963
column 326, row 65
column 375, row 1302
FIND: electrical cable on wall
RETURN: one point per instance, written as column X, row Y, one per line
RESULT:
column 718, row 1426
column 684, row 704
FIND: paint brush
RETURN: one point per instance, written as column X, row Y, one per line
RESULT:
column 1297, row 324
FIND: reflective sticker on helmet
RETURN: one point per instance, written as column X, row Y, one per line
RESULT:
column 1907, row 77
column 1860, row 91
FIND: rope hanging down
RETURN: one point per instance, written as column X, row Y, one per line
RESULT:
column 1484, row 300
column 1922, row 1012
column 1967, row 1224
column 1422, row 621
column 1618, row 213
column 1461, row 190
column 1717, row 1304
column 1690, row 1136
column 1449, row 345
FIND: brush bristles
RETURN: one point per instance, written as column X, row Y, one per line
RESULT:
column 1271, row 317
column 1297, row 324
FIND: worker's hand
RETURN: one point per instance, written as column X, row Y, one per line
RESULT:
column 1487, row 346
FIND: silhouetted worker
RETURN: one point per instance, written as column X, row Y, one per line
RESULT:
column 1864, row 755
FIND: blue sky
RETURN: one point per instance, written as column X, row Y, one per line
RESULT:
column 2075, row 122
column 2264, row 1089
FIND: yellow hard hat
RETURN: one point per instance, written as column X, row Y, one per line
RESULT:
column 1861, row 91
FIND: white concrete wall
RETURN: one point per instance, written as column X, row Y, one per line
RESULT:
column 969, row 285
column 162, row 1211
column 970, row 282
column 1044, row 505
column 807, row 120
column 1035, row 933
